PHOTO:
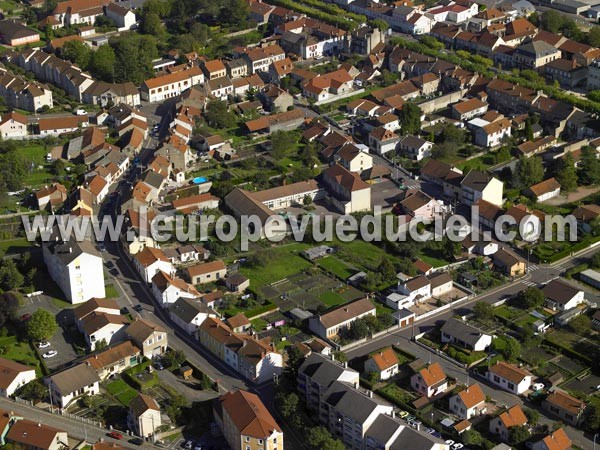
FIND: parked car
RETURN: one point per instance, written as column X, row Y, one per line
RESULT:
column 44, row 344
column 158, row 365
column 188, row 445
column 50, row 354
column 25, row 317
column 538, row 386
column 457, row 446
column 136, row 441
column 138, row 307
column 124, row 310
column 115, row 435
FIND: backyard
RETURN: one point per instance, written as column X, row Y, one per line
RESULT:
column 21, row 352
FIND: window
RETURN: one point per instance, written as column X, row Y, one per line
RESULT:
column 260, row 441
column 247, row 438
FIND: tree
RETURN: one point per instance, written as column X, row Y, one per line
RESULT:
column 528, row 130
column 173, row 358
column 281, row 143
column 382, row 25
column 410, row 118
column 594, row 37
column 340, row 356
column 529, row 171
column 58, row 167
column 512, row 348
column 33, row 391
column 358, row 330
column 453, row 135
column 217, row 115
column 102, row 63
column 518, row 434
column 287, row 403
column 319, row 438
column 78, row 53
column 386, row 269
column 41, row 326
column 472, row 437
column 566, row 174
column 101, row 345
column 234, row 12
column 295, row 359
column 532, row 415
column 551, row 21
column 589, row 167
column 484, row 311
column 9, row 304
column 582, row 325
column 133, row 57
column 152, row 25
column 10, row 277
column 532, row 297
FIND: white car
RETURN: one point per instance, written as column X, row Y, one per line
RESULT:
column 44, row 344
column 538, row 386
column 50, row 354
column 449, row 442
column 457, row 446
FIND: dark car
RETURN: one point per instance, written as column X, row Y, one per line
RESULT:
column 114, row 272
column 109, row 264
column 138, row 307
column 124, row 310
column 136, row 441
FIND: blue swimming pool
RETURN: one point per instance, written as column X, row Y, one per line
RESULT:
column 199, row 180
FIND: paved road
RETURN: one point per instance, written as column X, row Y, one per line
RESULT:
column 539, row 275
column 74, row 428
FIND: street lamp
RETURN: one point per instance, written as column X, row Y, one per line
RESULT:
column 595, row 436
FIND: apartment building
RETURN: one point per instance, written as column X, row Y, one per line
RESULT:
column 170, row 85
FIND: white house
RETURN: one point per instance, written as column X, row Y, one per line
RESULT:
column 430, row 380
column 382, row 140
column 14, row 375
column 30, row 434
column 76, row 267
column 150, row 261
column 468, row 403
column 101, row 327
column 384, row 362
column 144, row 416
column 72, row 383
column 13, row 126
column 464, row 335
column 170, row 85
column 123, row 18
column 562, row 296
column 189, row 314
column 545, row 190
column 414, row 147
column 167, row 289
column 509, row 377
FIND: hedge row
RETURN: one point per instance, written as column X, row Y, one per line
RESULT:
column 337, row 20
column 252, row 313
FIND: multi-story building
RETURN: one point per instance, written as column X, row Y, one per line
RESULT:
column 246, row 423
column 144, row 416
column 170, row 85
column 70, row 384
column 152, row 339
column 76, row 267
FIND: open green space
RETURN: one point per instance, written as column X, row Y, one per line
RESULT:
column 286, row 261
column 332, row 298
column 336, row 267
column 111, row 291
column 14, row 246
column 432, row 258
column 21, row 352
column 121, row 391
column 363, row 255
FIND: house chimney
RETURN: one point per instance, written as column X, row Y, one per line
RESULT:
column 370, row 394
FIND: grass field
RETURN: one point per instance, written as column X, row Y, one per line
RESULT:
column 111, row 291
column 286, row 261
column 332, row 298
column 432, row 258
column 121, row 391
column 35, row 156
column 336, row 267
column 20, row 352
column 361, row 254
column 14, row 246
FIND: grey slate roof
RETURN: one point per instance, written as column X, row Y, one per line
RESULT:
column 462, row 331
column 74, row 378
column 351, row 402
column 383, row 428
column 187, row 309
column 322, row 370
column 413, row 439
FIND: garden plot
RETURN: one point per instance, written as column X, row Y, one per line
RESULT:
column 586, row 384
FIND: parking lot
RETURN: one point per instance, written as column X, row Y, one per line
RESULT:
column 63, row 339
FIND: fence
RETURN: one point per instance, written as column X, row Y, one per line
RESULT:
column 60, row 412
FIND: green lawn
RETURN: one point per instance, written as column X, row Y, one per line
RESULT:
column 121, row 391
column 258, row 324
column 286, row 261
column 432, row 258
column 361, row 254
column 337, row 267
column 14, row 246
column 111, row 291
column 332, row 298
column 20, row 352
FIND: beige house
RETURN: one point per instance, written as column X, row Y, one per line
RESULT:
column 354, row 158
column 115, row 359
column 246, row 423
column 144, row 416
column 149, row 337
column 329, row 325
column 509, row 263
column 32, row 435
column 206, row 272
column 346, row 190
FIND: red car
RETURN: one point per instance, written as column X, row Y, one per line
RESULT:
column 115, row 435
column 25, row 317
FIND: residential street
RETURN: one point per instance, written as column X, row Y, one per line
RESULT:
column 402, row 338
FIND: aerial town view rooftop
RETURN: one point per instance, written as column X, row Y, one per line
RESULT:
column 300, row 224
